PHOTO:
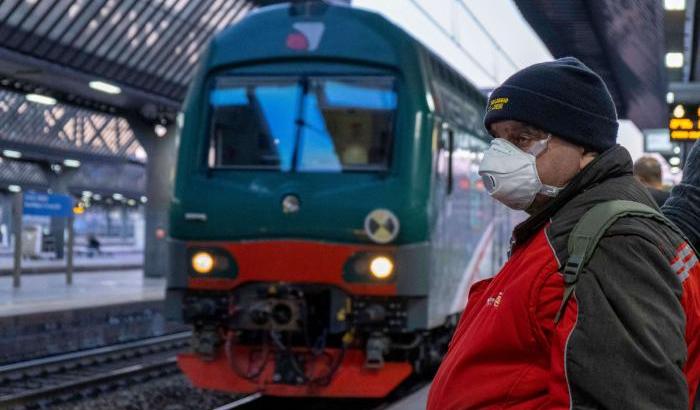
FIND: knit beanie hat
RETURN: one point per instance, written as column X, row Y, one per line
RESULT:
column 563, row 97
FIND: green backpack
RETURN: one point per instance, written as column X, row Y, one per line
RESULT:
column 588, row 231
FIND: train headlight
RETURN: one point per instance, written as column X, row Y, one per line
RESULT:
column 381, row 267
column 370, row 267
column 203, row 262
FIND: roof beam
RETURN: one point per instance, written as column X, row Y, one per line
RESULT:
column 71, row 86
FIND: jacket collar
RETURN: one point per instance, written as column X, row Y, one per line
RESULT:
column 614, row 162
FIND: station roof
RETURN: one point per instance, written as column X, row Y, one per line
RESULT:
column 62, row 131
column 148, row 48
column 622, row 41
column 129, row 180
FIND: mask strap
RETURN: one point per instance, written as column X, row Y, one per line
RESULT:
column 549, row 190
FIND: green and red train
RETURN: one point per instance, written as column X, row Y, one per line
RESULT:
column 327, row 216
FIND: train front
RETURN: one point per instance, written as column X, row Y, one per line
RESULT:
column 298, row 218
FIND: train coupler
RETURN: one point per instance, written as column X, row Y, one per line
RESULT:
column 377, row 346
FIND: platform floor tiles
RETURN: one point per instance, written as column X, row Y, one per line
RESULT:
column 49, row 292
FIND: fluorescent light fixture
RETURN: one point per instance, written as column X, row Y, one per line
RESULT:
column 40, row 99
column 117, row 196
column 674, row 4
column 674, row 60
column 71, row 163
column 670, row 97
column 105, row 87
column 14, row 188
column 9, row 153
column 160, row 130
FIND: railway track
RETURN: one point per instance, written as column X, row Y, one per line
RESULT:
column 42, row 382
column 257, row 401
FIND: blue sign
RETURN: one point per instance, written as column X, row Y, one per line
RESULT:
column 36, row 203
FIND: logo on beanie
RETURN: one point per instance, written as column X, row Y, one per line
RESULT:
column 497, row 103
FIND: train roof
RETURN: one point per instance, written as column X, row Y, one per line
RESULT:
column 328, row 30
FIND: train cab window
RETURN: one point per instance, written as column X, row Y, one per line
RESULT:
column 348, row 124
column 319, row 124
column 253, row 123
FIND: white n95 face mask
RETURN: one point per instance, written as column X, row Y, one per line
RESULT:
column 510, row 175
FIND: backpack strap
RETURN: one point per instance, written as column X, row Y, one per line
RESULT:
column 588, row 231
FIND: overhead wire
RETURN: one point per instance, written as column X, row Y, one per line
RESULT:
column 488, row 34
column 459, row 45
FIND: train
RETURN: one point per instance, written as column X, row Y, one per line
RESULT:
column 327, row 217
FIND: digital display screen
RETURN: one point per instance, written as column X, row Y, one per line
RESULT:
column 683, row 122
column 658, row 140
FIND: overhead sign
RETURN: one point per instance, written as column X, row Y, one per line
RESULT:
column 36, row 203
column 683, row 123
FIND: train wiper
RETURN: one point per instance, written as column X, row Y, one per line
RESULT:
column 300, row 122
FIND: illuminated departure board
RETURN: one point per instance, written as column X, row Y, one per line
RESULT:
column 684, row 123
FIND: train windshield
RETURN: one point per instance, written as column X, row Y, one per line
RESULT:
column 313, row 124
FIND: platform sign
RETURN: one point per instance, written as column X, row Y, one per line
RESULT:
column 683, row 123
column 36, row 203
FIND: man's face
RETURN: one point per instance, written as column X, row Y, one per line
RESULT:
column 557, row 163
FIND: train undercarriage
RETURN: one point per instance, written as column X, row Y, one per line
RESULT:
column 306, row 339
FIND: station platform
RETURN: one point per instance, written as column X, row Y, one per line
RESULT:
column 45, row 316
column 81, row 263
column 418, row 400
column 49, row 292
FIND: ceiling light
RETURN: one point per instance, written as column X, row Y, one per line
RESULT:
column 144, row 199
column 675, row 161
column 11, row 153
column 670, row 97
column 105, row 87
column 679, row 111
column 675, row 170
column 71, row 163
column 117, row 196
column 674, row 4
column 674, row 60
column 14, row 188
column 160, row 130
column 40, row 99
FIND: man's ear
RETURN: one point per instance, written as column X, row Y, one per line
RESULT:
column 586, row 159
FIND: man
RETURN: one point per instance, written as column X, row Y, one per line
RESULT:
column 648, row 172
column 622, row 339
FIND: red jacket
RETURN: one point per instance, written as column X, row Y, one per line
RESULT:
column 628, row 338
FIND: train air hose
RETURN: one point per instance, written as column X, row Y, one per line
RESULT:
column 249, row 375
column 272, row 342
